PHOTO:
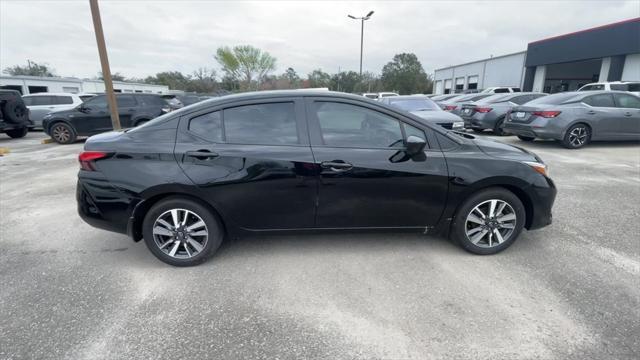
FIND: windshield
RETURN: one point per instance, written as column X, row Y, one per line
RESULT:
column 415, row 104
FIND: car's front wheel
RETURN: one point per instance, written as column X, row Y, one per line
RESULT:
column 526, row 138
column 181, row 232
column 489, row 221
column 63, row 133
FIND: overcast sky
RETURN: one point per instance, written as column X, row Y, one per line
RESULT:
column 146, row 37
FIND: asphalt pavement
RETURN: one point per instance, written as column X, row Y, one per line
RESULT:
column 568, row 291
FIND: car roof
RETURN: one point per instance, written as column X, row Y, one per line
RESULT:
column 51, row 94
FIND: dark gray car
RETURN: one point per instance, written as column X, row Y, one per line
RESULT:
column 426, row 109
column 490, row 112
column 576, row 118
column 454, row 105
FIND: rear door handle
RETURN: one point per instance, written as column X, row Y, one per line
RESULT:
column 628, row 114
column 336, row 165
column 591, row 112
column 202, row 154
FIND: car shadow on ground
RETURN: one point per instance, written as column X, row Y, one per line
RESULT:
column 547, row 144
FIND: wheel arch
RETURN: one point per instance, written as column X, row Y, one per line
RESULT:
column 134, row 227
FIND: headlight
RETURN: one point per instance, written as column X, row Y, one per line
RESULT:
column 538, row 167
column 458, row 125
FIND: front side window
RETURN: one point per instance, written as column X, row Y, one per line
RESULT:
column 97, row 102
column 627, row 101
column 348, row 125
column 126, row 101
column 38, row 100
column 271, row 124
column 414, row 131
column 600, row 100
column 208, row 126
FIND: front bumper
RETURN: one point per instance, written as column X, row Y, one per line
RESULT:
column 542, row 199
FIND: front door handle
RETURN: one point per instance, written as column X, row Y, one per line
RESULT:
column 591, row 112
column 202, row 154
column 628, row 114
column 336, row 165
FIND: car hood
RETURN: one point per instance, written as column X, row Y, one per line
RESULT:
column 437, row 116
column 501, row 150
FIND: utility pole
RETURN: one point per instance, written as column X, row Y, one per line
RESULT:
column 104, row 62
column 362, row 20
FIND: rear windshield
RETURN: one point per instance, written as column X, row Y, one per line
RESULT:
column 554, row 99
column 414, row 104
column 495, row 98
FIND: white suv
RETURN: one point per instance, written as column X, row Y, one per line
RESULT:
column 630, row 86
column 500, row 89
column 41, row 104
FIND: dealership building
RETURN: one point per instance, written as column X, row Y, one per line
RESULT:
column 37, row 84
column 560, row 63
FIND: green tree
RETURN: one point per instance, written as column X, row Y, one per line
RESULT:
column 175, row 80
column 203, row 80
column 405, row 75
column 319, row 79
column 115, row 77
column 292, row 78
column 345, row 81
column 32, row 69
column 246, row 64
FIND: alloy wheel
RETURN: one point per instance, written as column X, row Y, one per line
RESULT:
column 578, row 136
column 490, row 223
column 61, row 134
column 180, row 233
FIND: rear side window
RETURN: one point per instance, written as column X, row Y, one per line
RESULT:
column 62, row 100
column 627, row 101
column 151, row 100
column 208, row 126
column 600, row 100
column 126, row 101
column 38, row 100
column 346, row 125
column 271, row 124
column 498, row 91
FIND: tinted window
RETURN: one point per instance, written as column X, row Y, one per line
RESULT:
column 493, row 99
column 273, row 123
column 96, row 102
column 498, row 91
column 633, row 87
column 622, row 87
column 355, row 126
column 600, row 100
column 413, row 131
column 520, row 99
column 414, row 104
column 62, row 100
column 555, row 99
column 37, row 100
column 151, row 100
column 126, row 101
column 627, row 101
column 208, row 126
column 85, row 97
column 517, row 90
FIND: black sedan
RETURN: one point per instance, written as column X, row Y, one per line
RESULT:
column 290, row 160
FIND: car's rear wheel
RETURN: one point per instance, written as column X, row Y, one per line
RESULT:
column 17, row 133
column 577, row 136
column 181, row 232
column 526, row 138
column 489, row 221
column 62, row 133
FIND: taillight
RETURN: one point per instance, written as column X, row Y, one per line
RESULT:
column 87, row 159
column 450, row 107
column 483, row 110
column 547, row 114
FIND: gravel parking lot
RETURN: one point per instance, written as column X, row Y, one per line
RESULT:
column 568, row 291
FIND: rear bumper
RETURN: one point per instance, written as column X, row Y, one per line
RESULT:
column 103, row 206
column 537, row 129
column 479, row 121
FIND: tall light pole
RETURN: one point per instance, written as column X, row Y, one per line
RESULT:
column 362, row 20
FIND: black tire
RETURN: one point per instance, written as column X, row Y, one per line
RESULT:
column 526, row 138
column 497, row 129
column 460, row 226
column 15, row 112
column 17, row 133
column 577, row 136
column 62, row 133
column 213, row 226
column 478, row 131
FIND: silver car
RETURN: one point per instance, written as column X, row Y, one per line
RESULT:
column 454, row 105
column 576, row 118
column 490, row 112
column 426, row 109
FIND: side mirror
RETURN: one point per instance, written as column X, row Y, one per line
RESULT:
column 415, row 145
column 82, row 108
